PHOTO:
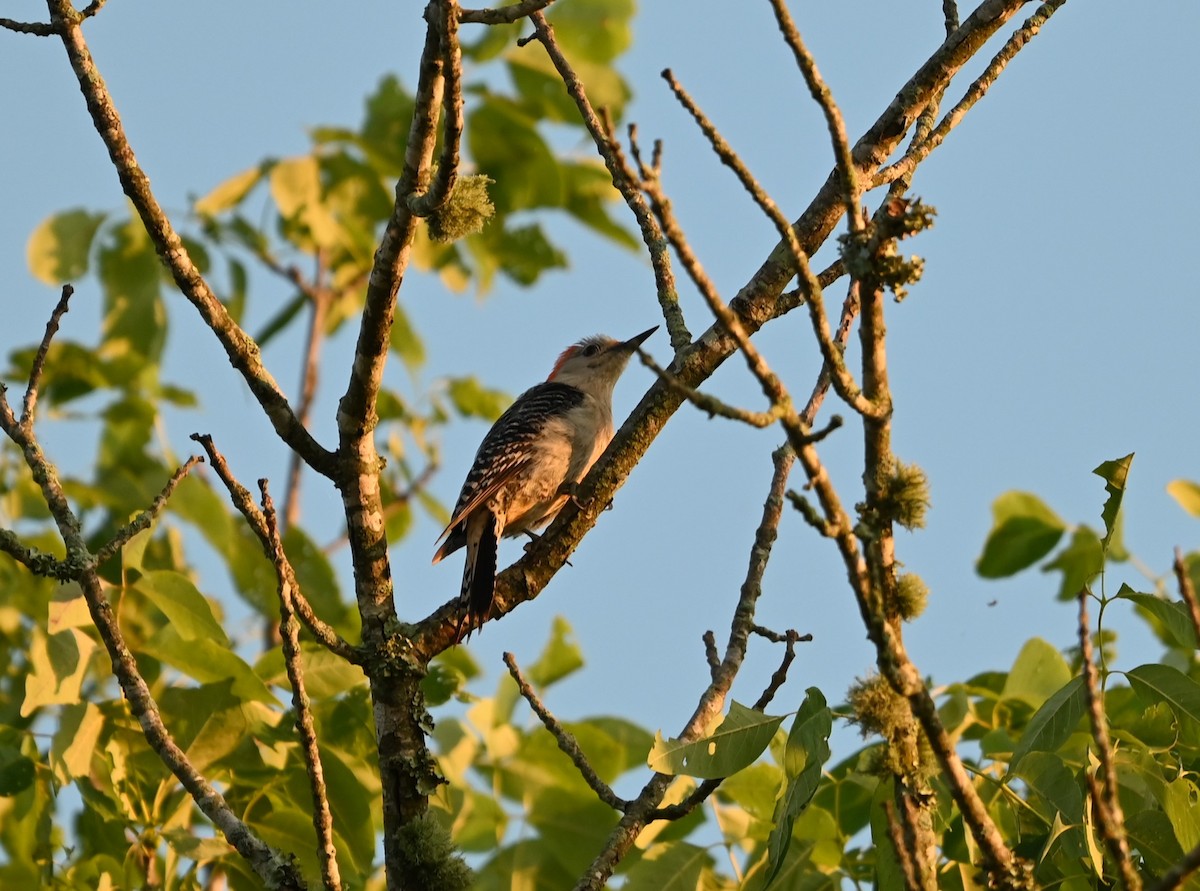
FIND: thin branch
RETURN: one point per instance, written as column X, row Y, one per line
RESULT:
column 143, row 520
column 1187, row 591
column 900, row 846
column 1015, row 43
column 290, row 632
column 320, row 299
column 503, row 15
column 446, row 174
column 641, row 809
column 759, row 300
column 950, row 12
column 833, row 116
column 708, row 787
column 1104, row 786
column 711, row 405
column 711, row 656
column 843, row 381
column 29, row 404
column 242, row 351
column 276, row 869
column 244, row 502
column 37, row 29
column 565, row 739
column 37, row 562
column 625, row 182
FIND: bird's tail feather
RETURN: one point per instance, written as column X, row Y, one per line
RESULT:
column 479, row 574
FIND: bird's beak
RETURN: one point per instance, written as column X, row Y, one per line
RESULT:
column 634, row 342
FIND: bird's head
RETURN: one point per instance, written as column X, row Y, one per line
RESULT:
column 596, row 362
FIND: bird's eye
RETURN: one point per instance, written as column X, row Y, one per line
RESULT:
column 591, row 349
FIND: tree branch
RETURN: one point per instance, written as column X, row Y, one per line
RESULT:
column 503, row 15
column 1187, row 592
column 423, row 203
column 241, row 349
column 565, row 739
column 244, row 502
column 290, row 633
column 642, row 809
column 625, row 182
column 922, row 149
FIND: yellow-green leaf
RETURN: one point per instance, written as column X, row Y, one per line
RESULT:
column 58, row 248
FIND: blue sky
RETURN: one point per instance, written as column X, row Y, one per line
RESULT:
column 1055, row 327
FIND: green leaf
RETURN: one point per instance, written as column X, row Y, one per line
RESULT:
column 670, row 866
column 59, row 663
column 325, row 675
column 1187, row 494
column 207, row 662
column 806, row 751
column 736, row 743
column 134, row 326
column 1048, row 777
column 1163, row 683
column 541, row 89
column 318, row 581
column 75, row 741
column 1038, row 672
column 405, row 341
column 506, row 146
column 1174, row 616
column 560, row 658
column 58, row 249
column 229, row 193
column 1180, row 804
column 1114, row 474
column 17, row 772
column 1080, row 562
column 522, row 253
column 187, row 609
column 593, row 30
column 1024, row 530
column 472, row 400
column 1151, row 834
column 385, row 127
column 1052, row 723
column 296, row 188
column 589, row 192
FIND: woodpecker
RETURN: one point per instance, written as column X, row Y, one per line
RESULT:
column 530, row 461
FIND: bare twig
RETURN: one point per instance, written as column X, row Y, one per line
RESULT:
column 244, row 502
column 29, row 404
column 760, row 299
column 1104, row 785
column 1188, row 592
column 423, row 203
column 502, row 15
column 708, row 787
column 143, row 520
column 920, row 151
column 290, row 632
column 319, row 299
column 625, row 182
column 241, row 350
column 950, row 12
column 644, row 808
column 565, row 739
column 275, row 868
column 711, row 405
column 843, row 382
column 821, row 94
column 37, row 29
column 711, row 656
